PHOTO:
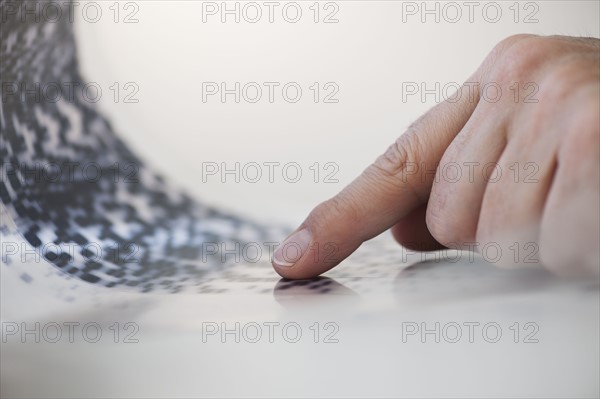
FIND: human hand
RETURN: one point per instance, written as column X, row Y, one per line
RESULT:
column 519, row 174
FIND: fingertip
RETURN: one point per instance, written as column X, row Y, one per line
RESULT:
column 314, row 249
column 293, row 273
column 288, row 256
column 319, row 257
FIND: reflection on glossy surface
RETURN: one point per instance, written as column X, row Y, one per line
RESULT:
column 443, row 280
column 319, row 291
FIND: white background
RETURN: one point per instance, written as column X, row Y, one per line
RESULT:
column 375, row 48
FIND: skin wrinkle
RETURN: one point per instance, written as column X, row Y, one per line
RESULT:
column 560, row 133
column 392, row 164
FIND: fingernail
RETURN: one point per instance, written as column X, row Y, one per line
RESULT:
column 292, row 249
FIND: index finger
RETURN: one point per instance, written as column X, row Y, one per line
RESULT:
column 386, row 191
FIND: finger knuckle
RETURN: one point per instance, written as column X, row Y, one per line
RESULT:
column 511, row 40
column 516, row 58
column 401, row 155
column 441, row 227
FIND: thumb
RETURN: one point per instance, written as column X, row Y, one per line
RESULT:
column 398, row 182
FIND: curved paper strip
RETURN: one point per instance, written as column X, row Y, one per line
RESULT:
column 76, row 192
